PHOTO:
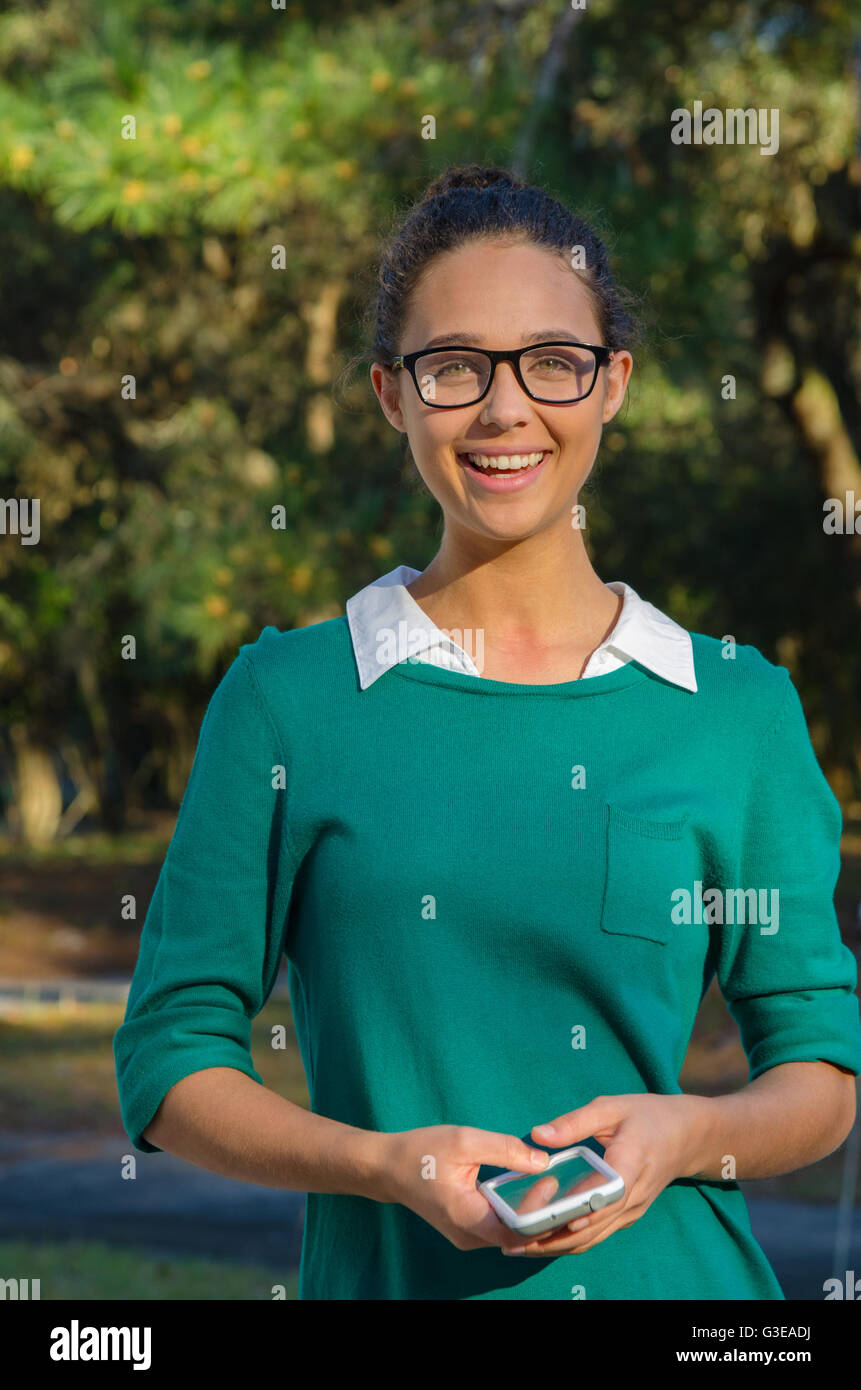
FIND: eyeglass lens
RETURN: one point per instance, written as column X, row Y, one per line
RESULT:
column 459, row 377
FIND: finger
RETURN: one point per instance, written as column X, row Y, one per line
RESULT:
column 577, row 1124
column 590, row 1230
column 540, row 1194
column 580, row 1233
column 610, row 1229
column 504, row 1151
column 586, row 1222
column 563, row 1240
column 566, row 1243
column 615, row 1219
column 487, row 1226
column 628, row 1158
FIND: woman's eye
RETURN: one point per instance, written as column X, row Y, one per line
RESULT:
column 556, row 360
column 447, row 368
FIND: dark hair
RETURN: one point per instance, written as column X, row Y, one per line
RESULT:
column 474, row 201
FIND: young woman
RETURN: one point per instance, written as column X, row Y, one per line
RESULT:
column 507, row 821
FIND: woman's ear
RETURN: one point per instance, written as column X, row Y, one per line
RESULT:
column 618, row 375
column 388, row 394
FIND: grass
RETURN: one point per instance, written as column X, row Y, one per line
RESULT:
column 141, row 845
column 59, row 1074
column 90, row 1270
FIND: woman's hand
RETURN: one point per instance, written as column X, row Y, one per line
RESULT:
column 433, row 1171
column 650, row 1140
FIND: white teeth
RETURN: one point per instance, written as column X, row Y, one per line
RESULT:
column 509, row 461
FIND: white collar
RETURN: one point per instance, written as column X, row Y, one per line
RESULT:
column 642, row 632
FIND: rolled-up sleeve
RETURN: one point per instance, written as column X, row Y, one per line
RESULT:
column 213, row 937
column 791, row 991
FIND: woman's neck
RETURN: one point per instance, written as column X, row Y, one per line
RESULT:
column 534, row 597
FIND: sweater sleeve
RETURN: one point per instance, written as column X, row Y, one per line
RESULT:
column 791, row 991
column 214, row 934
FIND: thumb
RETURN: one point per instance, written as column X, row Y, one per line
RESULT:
column 506, row 1151
column 579, row 1124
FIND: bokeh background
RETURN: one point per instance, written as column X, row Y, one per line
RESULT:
column 303, row 128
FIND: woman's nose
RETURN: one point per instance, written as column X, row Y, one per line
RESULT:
column 506, row 395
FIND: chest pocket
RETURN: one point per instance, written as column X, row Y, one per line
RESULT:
column 646, row 861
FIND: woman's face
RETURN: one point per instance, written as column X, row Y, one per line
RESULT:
column 501, row 296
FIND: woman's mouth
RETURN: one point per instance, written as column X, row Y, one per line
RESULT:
column 504, row 472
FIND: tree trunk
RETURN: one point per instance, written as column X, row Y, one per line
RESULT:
column 321, row 318
column 109, row 789
column 35, row 813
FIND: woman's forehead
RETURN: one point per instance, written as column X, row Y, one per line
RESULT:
column 477, row 294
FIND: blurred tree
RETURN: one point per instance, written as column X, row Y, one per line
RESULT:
column 221, row 259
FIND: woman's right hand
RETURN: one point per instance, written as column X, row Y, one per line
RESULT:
column 433, row 1171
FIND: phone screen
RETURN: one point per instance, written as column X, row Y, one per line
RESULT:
column 534, row 1190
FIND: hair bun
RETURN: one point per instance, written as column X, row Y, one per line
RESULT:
column 475, row 176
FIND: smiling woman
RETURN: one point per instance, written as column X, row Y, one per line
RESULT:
column 486, row 220
column 474, row 872
column 503, row 396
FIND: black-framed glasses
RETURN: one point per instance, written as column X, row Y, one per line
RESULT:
column 452, row 376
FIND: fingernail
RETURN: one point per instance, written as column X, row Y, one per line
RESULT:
column 547, row 1129
column 539, row 1159
column 578, row 1225
column 517, row 1250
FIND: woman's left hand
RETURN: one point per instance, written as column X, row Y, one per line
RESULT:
column 649, row 1139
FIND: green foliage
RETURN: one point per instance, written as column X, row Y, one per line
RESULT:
column 259, row 128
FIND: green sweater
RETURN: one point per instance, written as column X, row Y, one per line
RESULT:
column 456, row 902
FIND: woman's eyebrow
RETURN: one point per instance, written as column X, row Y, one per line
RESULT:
column 543, row 335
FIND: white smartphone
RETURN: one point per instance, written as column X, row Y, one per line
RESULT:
column 575, row 1182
